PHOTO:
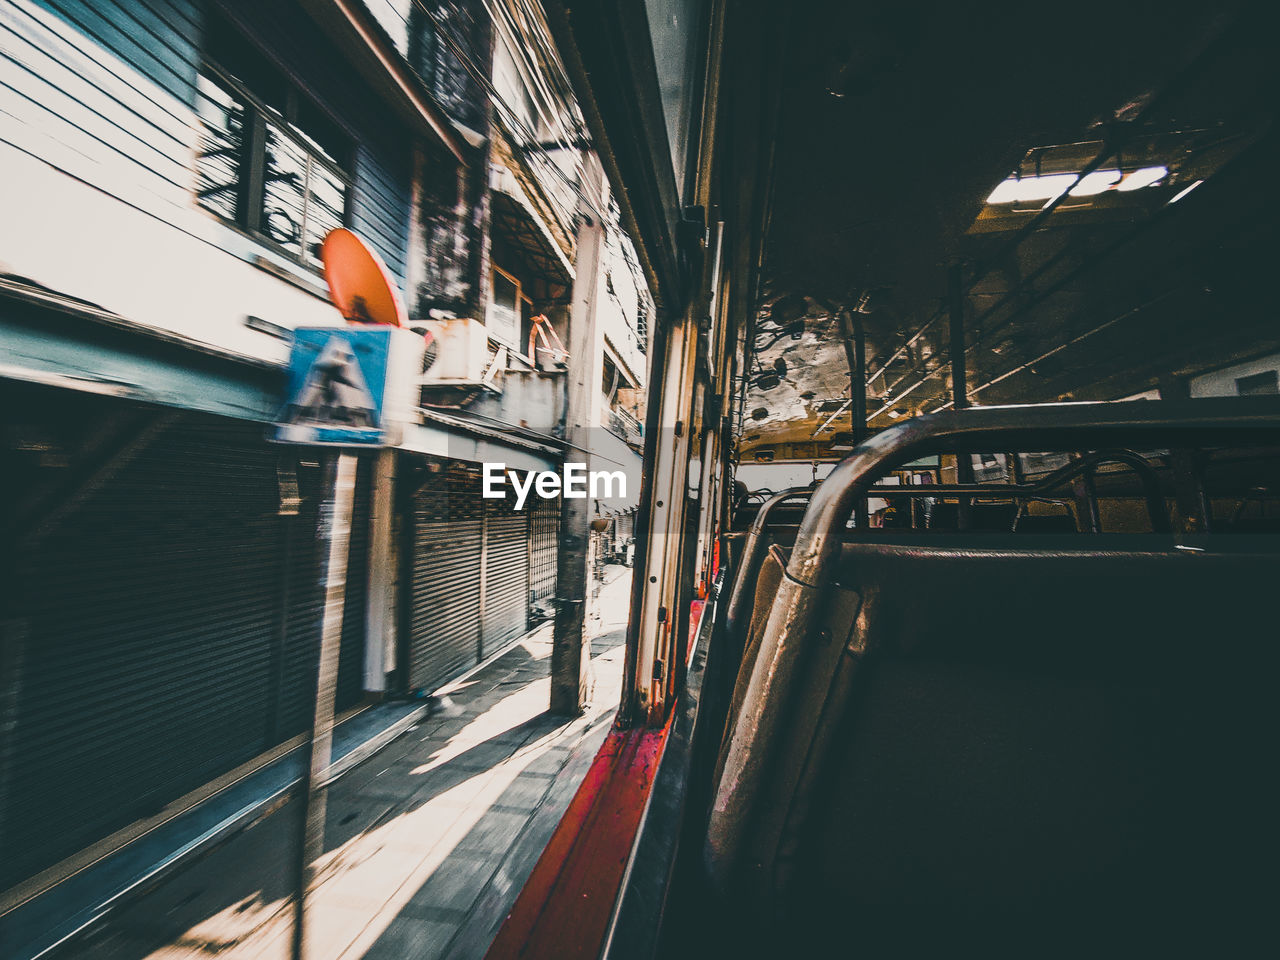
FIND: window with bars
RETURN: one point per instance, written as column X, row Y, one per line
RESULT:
column 642, row 324
column 269, row 160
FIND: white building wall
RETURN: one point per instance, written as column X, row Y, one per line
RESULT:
column 79, row 240
column 97, row 194
column 393, row 17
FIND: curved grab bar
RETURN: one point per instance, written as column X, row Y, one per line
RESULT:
column 742, row 598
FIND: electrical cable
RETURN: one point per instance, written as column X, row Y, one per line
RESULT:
column 511, row 119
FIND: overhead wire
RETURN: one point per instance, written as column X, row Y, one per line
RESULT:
column 510, row 118
column 1063, row 346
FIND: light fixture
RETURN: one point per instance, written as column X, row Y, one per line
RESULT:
column 1185, row 190
column 1028, row 189
column 1146, row 177
column 1053, row 185
column 1092, row 184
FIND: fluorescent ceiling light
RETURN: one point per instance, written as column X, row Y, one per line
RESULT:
column 1146, row 177
column 1028, row 189
column 1054, row 185
column 1092, row 184
column 1185, row 190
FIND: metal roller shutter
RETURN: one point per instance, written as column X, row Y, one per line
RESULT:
column 297, row 655
column 544, row 545
column 149, row 618
column 445, row 612
column 506, row 577
column 168, row 632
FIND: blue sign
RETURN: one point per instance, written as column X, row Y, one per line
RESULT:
column 337, row 386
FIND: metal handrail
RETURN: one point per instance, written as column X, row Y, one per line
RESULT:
column 742, row 597
column 1047, row 427
column 1157, row 511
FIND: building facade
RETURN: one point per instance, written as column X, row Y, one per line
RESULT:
column 170, row 168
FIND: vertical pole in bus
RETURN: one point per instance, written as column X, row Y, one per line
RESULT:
column 855, row 346
column 335, row 534
column 959, row 379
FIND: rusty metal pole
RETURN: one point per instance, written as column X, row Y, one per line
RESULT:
column 959, row 379
column 955, row 298
column 334, row 531
column 855, row 347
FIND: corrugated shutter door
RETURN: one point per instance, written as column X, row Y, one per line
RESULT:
column 151, row 616
column 169, row 632
column 544, row 544
column 506, row 587
column 296, row 678
column 445, row 626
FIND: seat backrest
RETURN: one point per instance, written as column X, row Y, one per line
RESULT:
column 993, row 517
column 1046, row 523
column 1033, row 723
column 766, row 589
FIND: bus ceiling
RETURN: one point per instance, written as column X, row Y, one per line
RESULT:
column 1092, row 186
column 856, row 213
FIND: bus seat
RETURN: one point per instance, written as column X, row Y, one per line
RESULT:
column 1030, row 726
column 1046, row 523
column 983, row 517
column 766, row 589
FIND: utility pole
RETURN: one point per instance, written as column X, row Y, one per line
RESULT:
column 569, row 650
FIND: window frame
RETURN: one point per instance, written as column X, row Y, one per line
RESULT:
column 522, row 337
column 251, row 187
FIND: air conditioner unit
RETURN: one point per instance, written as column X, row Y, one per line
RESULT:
column 403, row 393
column 458, row 354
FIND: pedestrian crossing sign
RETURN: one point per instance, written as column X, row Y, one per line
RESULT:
column 337, row 386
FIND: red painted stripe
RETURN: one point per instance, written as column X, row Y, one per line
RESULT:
column 564, row 909
column 695, row 618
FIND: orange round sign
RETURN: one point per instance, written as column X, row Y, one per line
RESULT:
column 360, row 285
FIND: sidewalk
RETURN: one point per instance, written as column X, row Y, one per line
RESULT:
column 427, row 843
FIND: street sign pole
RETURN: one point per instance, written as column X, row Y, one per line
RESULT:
column 353, row 386
column 335, row 533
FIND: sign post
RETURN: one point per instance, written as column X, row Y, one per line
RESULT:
column 335, row 534
column 349, row 387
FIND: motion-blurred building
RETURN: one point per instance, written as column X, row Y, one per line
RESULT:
column 169, row 170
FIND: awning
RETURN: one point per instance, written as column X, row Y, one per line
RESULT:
column 459, row 438
column 58, row 341
column 513, row 216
